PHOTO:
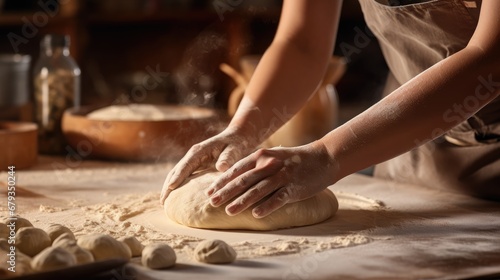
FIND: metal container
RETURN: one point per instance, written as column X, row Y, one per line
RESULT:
column 14, row 79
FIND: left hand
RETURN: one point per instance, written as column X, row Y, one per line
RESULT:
column 273, row 178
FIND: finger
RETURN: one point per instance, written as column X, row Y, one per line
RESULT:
column 254, row 195
column 164, row 194
column 236, row 170
column 275, row 202
column 227, row 158
column 242, row 183
column 187, row 165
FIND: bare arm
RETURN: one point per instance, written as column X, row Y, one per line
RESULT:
column 424, row 107
column 416, row 111
column 286, row 77
column 291, row 68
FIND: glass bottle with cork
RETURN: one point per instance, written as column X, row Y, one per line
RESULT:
column 57, row 88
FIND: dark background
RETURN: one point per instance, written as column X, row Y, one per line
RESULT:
column 118, row 42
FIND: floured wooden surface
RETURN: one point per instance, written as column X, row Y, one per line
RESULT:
column 381, row 230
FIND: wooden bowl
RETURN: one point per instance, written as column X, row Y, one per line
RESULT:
column 141, row 140
column 18, row 142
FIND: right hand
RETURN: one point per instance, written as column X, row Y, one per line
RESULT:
column 225, row 149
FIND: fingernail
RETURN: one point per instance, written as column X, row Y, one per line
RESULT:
column 232, row 209
column 214, row 200
column 209, row 192
column 257, row 212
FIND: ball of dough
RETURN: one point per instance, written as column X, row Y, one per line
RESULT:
column 19, row 222
column 53, row 258
column 4, row 231
column 32, row 241
column 64, row 238
column 214, row 251
column 134, row 245
column 104, row 247
column 55, row 230
column 22, row 263
column 189, row 206
column 158, row 256
column 82, row 255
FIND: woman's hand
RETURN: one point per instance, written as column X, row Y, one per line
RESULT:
column 224, row 149
column 270, row 178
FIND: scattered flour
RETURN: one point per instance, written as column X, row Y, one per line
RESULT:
column 115, row 219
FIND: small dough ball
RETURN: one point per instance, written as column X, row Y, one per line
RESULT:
column 53, row 258
column 18, row 222
column 158, row 256
column 214, row 251
column 4, row 231
column 22, row 263
column 104, row 247
column 82, row 255
column 56, row 230
column 32, row 241
column 64, row 238
column 134, row 245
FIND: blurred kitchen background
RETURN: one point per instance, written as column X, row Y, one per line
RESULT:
column 172, row 49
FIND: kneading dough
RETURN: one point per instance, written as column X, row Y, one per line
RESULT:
column 53, row 258
column 104, row 247
column 158, row 256
column 214, row 251
column 133, row 244
column 55, row 230
column 32, row 241
column 189, row 206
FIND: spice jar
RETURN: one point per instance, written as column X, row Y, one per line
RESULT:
column 57, row 88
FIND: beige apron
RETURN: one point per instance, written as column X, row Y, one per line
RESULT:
column 413, row 37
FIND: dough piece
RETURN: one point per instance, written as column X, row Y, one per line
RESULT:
column 189, row 206
column 22, row 264
column 133, row 244
column 104, row 247
column 214, row 251
column 32, row 241
column 53, row 258
column 55, row 230
column 4, row 231
column 19, row 222
column 64, row 238
column 158, row 256
column 82, row 255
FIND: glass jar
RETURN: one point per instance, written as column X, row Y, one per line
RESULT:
column 57, row 88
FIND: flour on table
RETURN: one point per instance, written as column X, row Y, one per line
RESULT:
column 116, row 218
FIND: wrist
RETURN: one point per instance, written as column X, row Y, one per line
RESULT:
column 329, row 160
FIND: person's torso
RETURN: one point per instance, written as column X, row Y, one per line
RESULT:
column 416, row 34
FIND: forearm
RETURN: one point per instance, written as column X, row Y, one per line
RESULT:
column 419, row 111
column 283, row 81
column 291, row 69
